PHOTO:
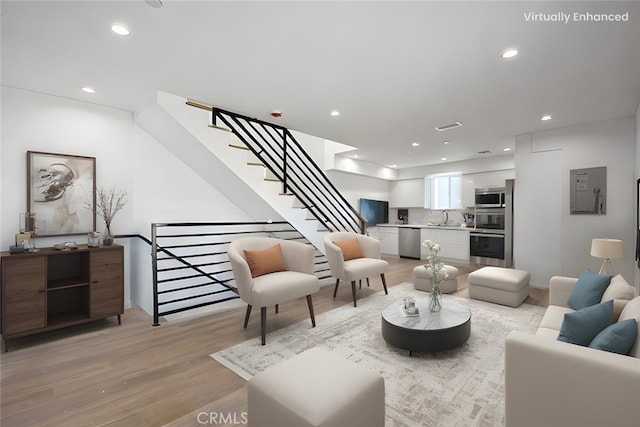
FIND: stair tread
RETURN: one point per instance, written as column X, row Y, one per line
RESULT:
column 220, row 128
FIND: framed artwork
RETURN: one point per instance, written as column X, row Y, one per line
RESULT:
column 61, row 193
column 588, row 191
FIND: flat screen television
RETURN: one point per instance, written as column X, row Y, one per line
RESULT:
column 374, row 211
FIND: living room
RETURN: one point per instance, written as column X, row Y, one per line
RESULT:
column 161, row 188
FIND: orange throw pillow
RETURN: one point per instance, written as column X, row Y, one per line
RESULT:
column 350, row 249
column 265, row 261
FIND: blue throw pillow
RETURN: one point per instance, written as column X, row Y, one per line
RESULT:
column 582, row 326
column 588, row 290
column 617, row 338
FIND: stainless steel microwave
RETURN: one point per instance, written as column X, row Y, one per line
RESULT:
column 490, row 197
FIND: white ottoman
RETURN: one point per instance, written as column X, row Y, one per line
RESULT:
column 506, row 286
column 316, row 388
column 422, row 279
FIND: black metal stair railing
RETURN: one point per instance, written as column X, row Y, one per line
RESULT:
column 282, row 154
column 190, row 264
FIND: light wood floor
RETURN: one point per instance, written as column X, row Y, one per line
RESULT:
column 139, row 375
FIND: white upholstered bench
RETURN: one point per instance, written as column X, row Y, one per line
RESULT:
column 422, row 279
column 505, row 286
column 316, row 388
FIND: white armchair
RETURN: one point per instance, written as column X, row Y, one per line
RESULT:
column 366, row 264
column 275, row 276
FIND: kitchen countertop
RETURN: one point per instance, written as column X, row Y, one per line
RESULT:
column 436, row 227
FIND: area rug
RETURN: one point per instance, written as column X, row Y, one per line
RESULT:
column 459, row 387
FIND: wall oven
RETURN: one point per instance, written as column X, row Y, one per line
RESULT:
column 490, row 197
column 491, row 243
column 490, row 219
column 487, row 247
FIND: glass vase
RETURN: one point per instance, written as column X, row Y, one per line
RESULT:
column 435, row 298
column 107, row 239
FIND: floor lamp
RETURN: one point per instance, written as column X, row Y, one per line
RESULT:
column 606, row 249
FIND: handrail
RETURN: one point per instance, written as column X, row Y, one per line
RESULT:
column 310, row 198
column 301, row 176
column 191, row 268
column 129, row 236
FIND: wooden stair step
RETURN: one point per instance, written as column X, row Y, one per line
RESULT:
column 220, row 128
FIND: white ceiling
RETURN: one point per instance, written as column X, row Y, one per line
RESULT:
column 394, row 70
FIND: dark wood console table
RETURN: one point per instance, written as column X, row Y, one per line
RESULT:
column 52, row 289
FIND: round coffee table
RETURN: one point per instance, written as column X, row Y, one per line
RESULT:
column 428, row 332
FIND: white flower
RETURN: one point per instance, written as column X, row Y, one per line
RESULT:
column 434, row 265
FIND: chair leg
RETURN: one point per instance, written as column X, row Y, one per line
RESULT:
column 367, row 282
column 360, row 284
column 246, row 316
column 335, row 291
column 310, row 304
column 384, row 284
column 353, row 291
column 263, row 324
column 276, row 308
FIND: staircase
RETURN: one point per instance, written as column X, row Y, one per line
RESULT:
column 259, row 166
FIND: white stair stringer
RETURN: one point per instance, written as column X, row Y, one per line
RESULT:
column 183, row 130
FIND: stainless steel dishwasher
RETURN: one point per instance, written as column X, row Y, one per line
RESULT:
column 409, row 242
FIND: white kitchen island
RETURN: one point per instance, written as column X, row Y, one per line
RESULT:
column 453, row 241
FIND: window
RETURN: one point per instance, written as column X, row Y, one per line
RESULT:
column 445, row 191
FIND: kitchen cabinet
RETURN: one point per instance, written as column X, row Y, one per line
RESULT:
column 373, row 232
column 492, row 179
column 407, row 194
column 388, row 240
column 52, row 289
column 468, row 192
column 454, row 244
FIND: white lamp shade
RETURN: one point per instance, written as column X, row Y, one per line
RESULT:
column 606, row 248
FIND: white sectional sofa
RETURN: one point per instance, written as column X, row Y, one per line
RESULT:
column 553, row 383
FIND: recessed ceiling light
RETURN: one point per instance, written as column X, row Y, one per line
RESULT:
column 335, row 113
column 355, row 156
column 393, row 166
column 509, row 53
column 416, row 144
column 88, row 89
column 120, row 30
column 546, row 117
column 446, row 142
column 506, row 149
column 443, row 158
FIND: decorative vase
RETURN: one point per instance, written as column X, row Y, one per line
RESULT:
column 435, row 297
column 107, row 240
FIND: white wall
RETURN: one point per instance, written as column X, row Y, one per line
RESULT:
column 547, row 239
column 635, row 200
column 358, row 167
column 31, row 121
column 160, row 188
column 354, row 187
column 474, row 166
